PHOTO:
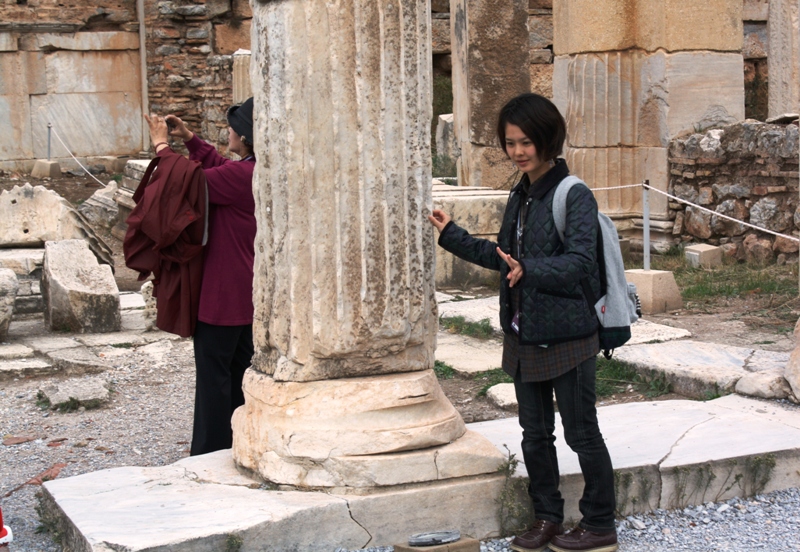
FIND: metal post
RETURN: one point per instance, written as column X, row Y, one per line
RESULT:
column 49, row 132
column 646, row 216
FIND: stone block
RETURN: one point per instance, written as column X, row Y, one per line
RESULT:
column 229, row 38
column 540, row 29
column 609, row 167
column 540, row 56
column 80, row 294
column 87, row 392
column 46, row 169
column 703, row 255
column 24, row 367
column 87, row 41
column 8, row 42
column 100, row 209
column 31, row 216
column 8, row 294
column 542, row 79
column 503, row 396
column 99, row 72
column 440, row 36
column 486, row 166
column 765, row 385
column 461, row 545
column 783, row 57
column 657, row 290
column 486, row 72
column 755, row 10
column 672, row 25
column 480, row 211
column 10, row 351
column 633, row 98
column 16, row 141
column 90, row 124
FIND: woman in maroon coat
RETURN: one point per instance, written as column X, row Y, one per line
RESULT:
column 223, row 339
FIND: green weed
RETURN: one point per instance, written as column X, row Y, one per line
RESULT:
column 42, row 401
column 459, row 325
column 491, row 378
column 443, row 370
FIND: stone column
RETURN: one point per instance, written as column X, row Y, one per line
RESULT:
column 784, row 57
column 346, row 317
column 491, row 62
column 630, row 76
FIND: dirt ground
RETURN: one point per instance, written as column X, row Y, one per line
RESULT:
column 750, row 322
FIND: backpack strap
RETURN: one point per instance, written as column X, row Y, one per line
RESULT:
column 560, row 203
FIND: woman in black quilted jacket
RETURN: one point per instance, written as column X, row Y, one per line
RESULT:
column 550, row 329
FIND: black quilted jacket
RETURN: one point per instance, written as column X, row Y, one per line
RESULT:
column 553, row 306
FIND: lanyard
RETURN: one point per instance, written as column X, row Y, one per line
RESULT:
column 523, row 210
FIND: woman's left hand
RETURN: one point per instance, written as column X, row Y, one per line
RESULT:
column 515, row 269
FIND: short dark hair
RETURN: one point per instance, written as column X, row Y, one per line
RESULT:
column 539, row 119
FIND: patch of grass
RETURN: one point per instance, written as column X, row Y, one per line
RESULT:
column 42, row 401
column 614, row 377
column 459, row 325
column 122, row 345
column 763, row 342
column 117, row 177
column 491, row 378
column 73, row 404
column 233, row 543
column 443, row 370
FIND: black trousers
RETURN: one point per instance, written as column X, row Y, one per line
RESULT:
column 575, row 395
column 221, row 356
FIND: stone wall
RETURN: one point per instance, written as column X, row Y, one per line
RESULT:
column 190, row 62
column 748, row 171
column 73, row 65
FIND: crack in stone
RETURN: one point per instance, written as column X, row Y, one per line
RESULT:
column 677, row 442
column 414, row 396
column 350, row 513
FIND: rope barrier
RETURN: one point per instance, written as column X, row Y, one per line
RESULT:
column 75, row 158
column 716, row 214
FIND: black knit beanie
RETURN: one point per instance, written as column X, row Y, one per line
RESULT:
column 240, row 118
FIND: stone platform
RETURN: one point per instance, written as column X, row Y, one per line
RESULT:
column 667, row 454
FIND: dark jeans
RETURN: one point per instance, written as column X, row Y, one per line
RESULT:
column 575, row 395
column 221, row 356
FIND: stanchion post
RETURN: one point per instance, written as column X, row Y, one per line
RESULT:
column 49, row 132
column 646, row 229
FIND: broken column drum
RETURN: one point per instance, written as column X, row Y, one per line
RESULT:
column 345, row 313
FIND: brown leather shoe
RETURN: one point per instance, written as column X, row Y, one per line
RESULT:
column 580, row 539
column 537, row 537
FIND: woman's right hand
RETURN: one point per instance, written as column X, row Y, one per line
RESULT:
column 439, row 219
column 178, row 128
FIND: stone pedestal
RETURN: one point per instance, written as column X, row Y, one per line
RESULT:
column 43, row 168
column 487, row 72
column 657, row 290
column 341, row 392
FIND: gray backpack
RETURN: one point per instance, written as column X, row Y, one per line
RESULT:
column 618, row 306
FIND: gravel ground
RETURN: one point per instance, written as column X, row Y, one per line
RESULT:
column 148, row 423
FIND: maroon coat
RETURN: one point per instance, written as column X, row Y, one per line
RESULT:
column 165, row 237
